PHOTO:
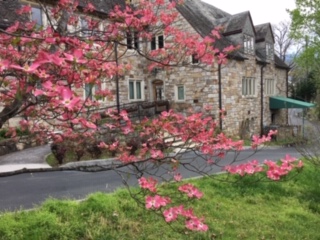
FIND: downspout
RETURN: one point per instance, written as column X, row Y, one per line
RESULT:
column 117, row 77
column 220, row 96
column 287, row 93
column 261, row 100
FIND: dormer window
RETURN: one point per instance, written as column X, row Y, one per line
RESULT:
column 157, row 42
column 248, row 44
column 269, row 51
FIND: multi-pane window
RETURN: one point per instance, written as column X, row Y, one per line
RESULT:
column 157, row 42
column 248, row 86
column 269, row 87
column 269, row 51
column 135, row 90
column 248, row 44
column 180, row 93
column 132, row 40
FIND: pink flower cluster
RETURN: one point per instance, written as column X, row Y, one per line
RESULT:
column 191, row 191
column 192, row 222
column 171, row 214
column 156, row 202
column 274, row 171
column 245, row 168
column 256, row 140
column 149, row 184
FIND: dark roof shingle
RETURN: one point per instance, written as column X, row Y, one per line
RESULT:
column 9, row 16
column 200, row 15
column 8, row 12
column 262, row 30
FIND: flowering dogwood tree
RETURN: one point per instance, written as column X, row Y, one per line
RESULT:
column 42, row 69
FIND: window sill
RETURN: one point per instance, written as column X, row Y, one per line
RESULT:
column 135, row 100
column 249, row 96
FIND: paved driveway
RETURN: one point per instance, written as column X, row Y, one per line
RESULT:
column 28, row 158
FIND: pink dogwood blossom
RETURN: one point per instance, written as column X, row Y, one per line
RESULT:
column 156, row 202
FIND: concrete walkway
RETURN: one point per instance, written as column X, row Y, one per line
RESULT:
column 29, row 158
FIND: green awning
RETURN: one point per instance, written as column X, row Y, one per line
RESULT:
column 283, row 102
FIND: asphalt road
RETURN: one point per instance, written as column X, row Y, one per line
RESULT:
column 25, row 191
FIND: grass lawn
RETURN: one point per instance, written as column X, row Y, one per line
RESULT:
column 264, row 210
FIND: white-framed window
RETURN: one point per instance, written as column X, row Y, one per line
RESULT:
column 136, row 90
column 84, row 27
column 269, row 51
column 36, row 14
column 248, row 44
column 269, row 86
column 248, row 86
column 157, row 42
column 132, row 40
column 180, row 93
column 91, row 91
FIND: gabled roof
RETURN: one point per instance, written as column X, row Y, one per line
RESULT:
column 204, row 18
column 262, row 31
column 234, row 23
column 200, row 15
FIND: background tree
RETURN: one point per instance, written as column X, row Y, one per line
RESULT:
column 305, row 88
column 305, row 28
column 283, row 42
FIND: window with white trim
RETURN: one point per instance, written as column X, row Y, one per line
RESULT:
column 248, row 86
column 136, row 90
column 84, row 27
column 269, row 51
column 157, row 42
column 180, row 93
column 36, row 14
column 269, row 86
column 248, row 44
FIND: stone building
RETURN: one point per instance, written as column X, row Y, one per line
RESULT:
column 241, row 88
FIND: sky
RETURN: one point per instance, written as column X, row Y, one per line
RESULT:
column 273, row 11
